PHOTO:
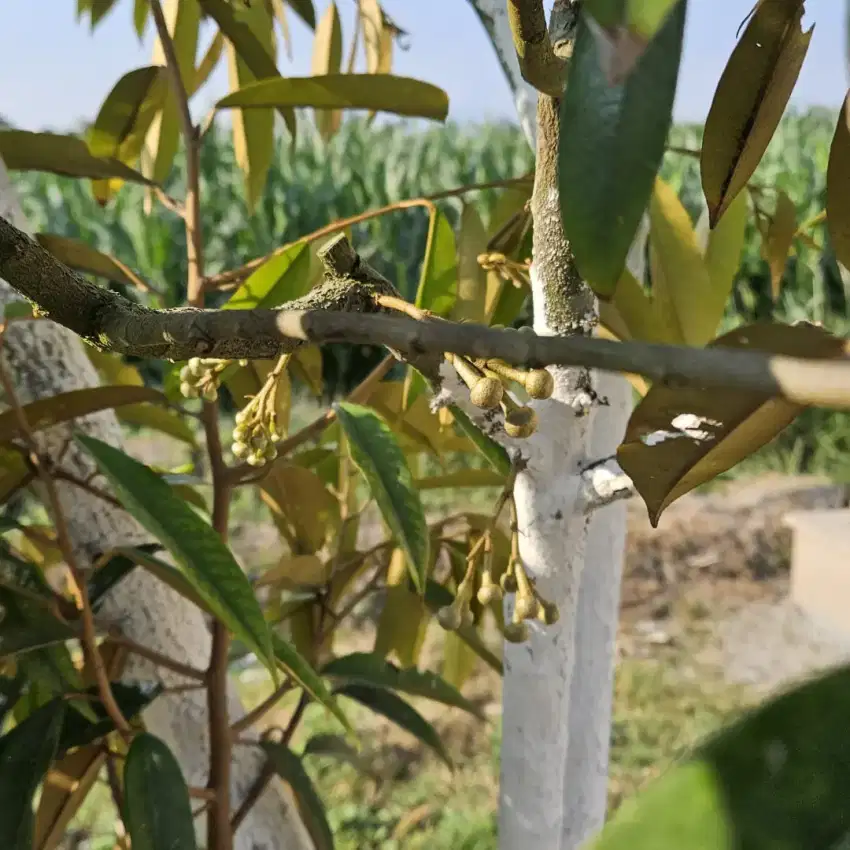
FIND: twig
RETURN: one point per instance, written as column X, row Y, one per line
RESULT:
column 537, row 60
column 158, row 658
column 258, row 712
column 63, row 538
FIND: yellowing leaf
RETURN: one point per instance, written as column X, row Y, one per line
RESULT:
column 294, row 571
column 780, row 236
column 183, row 18
column 67, row 155
column 306, row 364
column 630, row 314
column 472, row 278
column 253, row 132
column 372, row 22
column 327, row 59
column 750, row 99
column 681, row 284
column 681, row 437
column 723, row 256
column 77, row 255
column 438, row 280
column 838, row 187
column 208, row 62
column 404, row 619
column 459, row 660
column 113, row 368
column 381, row 92
column 158, row 419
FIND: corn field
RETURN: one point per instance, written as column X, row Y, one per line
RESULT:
column 367, row 166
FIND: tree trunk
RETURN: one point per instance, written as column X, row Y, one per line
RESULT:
column 44, row 359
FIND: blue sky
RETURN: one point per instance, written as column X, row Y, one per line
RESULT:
column 55, row 72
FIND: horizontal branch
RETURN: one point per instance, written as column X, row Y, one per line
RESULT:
column 343, row 309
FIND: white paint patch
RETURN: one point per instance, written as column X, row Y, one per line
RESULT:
column 686, row 425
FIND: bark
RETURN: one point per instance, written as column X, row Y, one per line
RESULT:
column 44, row 359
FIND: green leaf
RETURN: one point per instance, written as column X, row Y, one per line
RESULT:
column 336, row 747
column 17, row 310
column 304, row 9
column 28, row 625
column 283, row 278
column 289, row 768
column 300, row 671
column 378, row 457
column 367, row 668
column 77, row 255
column 395, row 709
column 158, row 419
column 490, row 450
column 750, row 99
column 681, row 437
column 25, row 755
column 723, row 256
column 380, row 92
column 612, row 141
column 776, row 778
column 77, row 731
column 157, row 808
column 109, row 574
column 71, row 405
column 67, row 155
column 141, row 9
column 838, row 187
column 11, row 688
column 205, row 560
column 438, row 281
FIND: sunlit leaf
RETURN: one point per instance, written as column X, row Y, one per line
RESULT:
column 397, row 711
column 723, row 255
column 65, row 789
column 775, row 778
column 206, row 562
column 489, row 449
column 66, row 155
column 750, row 99
column 157, row 808
column 209, row 62
column 459, row 660
column 681, row 437
column 78, row 255
column 327, row 59
column 282, row 278
column 25, row 754
column 157, row 419
column 378, row 456
column 472, row 278
column 288, row 766
column 612, row 142
column 381, row 92
column 438, row 281
column 366, row 668
column 404, row 618
column 64, row 407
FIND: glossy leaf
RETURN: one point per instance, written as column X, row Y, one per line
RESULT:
column 82, row 257
column 397, row 711
column 327, row 59
column 438, row 281
column 612, row 142
column 60, row 800
column 366, row 668
column 157, row 808
column 282, row 278
column 206, row 562
column 681, row 437
column 302, row 672
column 780, row 238
column 776, row 778
column 25, row 755
column 289, row 768
column 838, row 187
column 71, row 405
column 750, row 99
column 66, row 155
column 493, row 452
column 381, row 92
column 377, row 455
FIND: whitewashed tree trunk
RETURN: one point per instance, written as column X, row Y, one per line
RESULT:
column 44, row 359
column 558, row 687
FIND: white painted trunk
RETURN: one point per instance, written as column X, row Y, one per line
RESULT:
column 44, row 359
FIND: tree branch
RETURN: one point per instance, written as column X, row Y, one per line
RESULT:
column 537, row 60
column 343, row 309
